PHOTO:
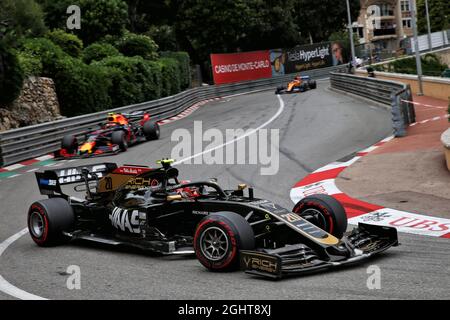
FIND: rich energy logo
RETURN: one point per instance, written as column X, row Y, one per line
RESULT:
column 124, row 220
column 260, row 264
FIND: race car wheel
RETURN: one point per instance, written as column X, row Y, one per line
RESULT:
column 151, row 130
column 47, row 219
column 325, row 212
column 69, row 143
column 312, row 84
column 279, row 90
column 119, row 138
column 218, row 239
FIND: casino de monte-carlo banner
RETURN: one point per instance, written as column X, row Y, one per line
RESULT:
column 236, row 67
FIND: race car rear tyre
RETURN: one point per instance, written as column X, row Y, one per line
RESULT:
column 47, row 219
column 219, row 238
column 69, row 143
column 325, row 212
column 279, row 90
column 312, row 84
column 151, row 130
column 119, row 138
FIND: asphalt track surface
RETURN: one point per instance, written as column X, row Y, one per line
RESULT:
column 316, row 127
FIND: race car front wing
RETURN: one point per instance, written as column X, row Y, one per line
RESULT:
column 362, row 243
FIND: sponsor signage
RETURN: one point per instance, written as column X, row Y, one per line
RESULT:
column 405, row 222
column 236, row 67
column 308, row 57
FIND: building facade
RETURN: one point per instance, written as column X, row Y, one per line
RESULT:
column 382, row 25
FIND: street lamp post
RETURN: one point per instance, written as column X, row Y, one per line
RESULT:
column 350, row 31
column 430, row 46
column 416, row 46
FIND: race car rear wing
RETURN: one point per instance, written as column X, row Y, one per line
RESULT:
column 50, row 181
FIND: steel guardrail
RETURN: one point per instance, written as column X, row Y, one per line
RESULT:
column 390, row 93
column 32, row 141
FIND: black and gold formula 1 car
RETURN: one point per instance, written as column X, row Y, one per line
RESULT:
column 226, row 229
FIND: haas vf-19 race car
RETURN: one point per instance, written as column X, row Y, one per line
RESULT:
column 226, row 229
column 115, row 135
column 299, row 84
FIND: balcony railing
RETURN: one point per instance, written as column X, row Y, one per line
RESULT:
column 384, row 32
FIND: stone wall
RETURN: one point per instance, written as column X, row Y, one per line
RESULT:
column 37, row 103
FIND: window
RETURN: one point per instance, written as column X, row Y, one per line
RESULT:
column 404, row 5
column 406, row 23
column 386, row 10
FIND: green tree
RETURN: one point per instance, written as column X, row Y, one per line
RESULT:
column 24, row 17
column 55, row 12
column 439, row 11
column 317, row 20
column 164, row 36
column 11, row 75
column 102, row 17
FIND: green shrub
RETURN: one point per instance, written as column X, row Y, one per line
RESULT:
column 170, row 81
column 45, row 50
column 99, row 51
column 184, row 64
column 82, row 88
column 68, row 42
column 11, row 75
column 132, row 45
column 134, row 80
column 431, row 66
column 31, row 65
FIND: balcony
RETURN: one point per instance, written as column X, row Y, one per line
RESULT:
column 384, row 33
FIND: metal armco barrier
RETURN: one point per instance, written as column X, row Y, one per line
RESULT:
column 386, row 92
column 29, row 142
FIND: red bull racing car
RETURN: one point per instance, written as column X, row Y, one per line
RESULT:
column 226, row 229
column 299, row 84
column 116, row 134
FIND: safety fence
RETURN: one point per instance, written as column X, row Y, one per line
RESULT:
column 391, row 93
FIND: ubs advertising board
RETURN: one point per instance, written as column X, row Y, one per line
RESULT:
column 236, row 67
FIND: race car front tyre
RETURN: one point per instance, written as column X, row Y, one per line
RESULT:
column 47, row 219
column 279, row 90
column 119, row 138
column 312, row 84
column 69, row 143
column 325, row 212
column 219, row 238
column 151, row 130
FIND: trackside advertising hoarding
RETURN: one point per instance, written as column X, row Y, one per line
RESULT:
column 236, row 67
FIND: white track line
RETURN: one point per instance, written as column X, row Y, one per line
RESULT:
column 280, row 111
column 7, row 287
column 11, row 290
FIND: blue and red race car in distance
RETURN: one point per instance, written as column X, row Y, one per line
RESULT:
column 116, row 134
